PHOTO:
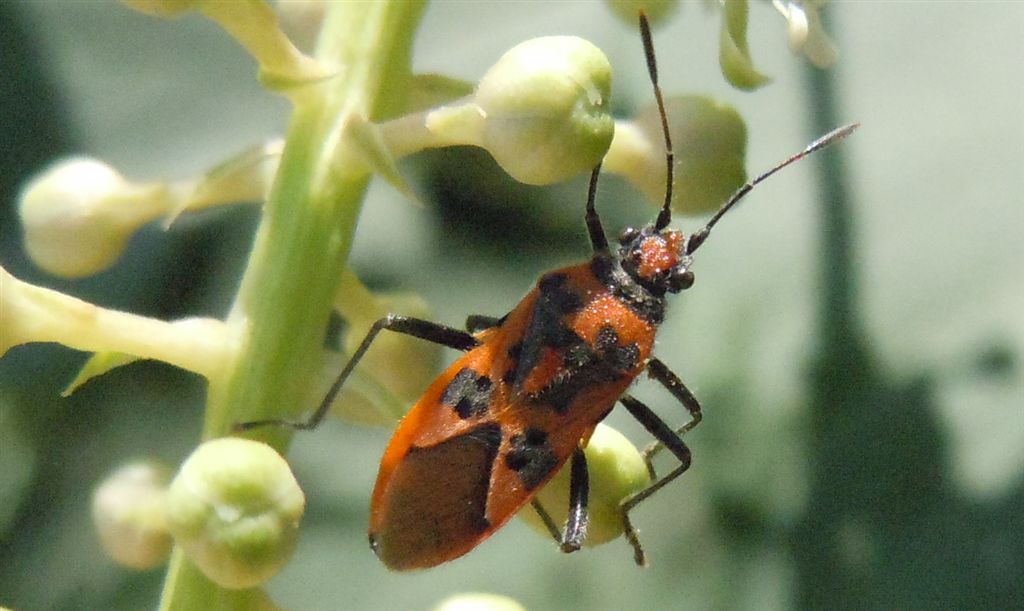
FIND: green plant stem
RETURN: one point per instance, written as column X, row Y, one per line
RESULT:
column 843, row 381
column 286, row 294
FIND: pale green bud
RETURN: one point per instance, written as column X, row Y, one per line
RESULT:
column 162, row 8
column 656, row 10
column 545, row 109
column 128, row 514
column 617, row 470
column 710, row 142
column 234, row 507
column 541, row 111
column 475, row 601
column 79, row 214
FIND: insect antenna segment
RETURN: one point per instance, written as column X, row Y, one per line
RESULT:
column 665, row 216
column 697, row 238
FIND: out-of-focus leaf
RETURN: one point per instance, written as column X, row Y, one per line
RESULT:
column 733, row 52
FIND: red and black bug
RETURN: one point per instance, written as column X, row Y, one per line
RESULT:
column 531, row 387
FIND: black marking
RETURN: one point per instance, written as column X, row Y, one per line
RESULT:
column 468, row 393
column 546, row 329
column 648, row 306
column 554, row 290
column 618, row 358
column 514, row 352
column 585, row 366
column 490, row 436
column 531, row 456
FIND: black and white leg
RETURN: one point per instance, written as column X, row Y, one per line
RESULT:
column 665, row 438
column 423, row 329
column 571, row 538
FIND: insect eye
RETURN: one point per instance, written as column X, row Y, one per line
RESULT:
column 628, row 235
column 680, row 281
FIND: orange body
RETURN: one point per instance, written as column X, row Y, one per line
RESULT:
column 502, row 419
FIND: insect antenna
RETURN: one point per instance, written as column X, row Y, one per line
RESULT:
column 665, row 216
column 598, row 239
column 597, row 236
column 698, row 237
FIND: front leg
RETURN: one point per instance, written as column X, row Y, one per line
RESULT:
column 423, row 329
column 665, row 438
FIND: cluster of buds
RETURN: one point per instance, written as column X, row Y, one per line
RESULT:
column 542, row 111
column 234, row 508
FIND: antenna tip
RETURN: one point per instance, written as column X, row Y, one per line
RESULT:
column 833, row 136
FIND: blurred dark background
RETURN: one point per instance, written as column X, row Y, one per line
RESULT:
column 855, row 334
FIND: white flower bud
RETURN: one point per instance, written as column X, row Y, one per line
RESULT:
column 234, row 507
column 475, row 601
column 616, row 470
column 545, row 109
column 79, row 214
column 541, row 111
column 128, row 514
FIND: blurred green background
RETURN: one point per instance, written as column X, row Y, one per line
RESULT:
column 863, row 441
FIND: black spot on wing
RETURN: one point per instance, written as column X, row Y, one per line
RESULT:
column 546, row 328
column 469, row 393
column 531, row 457
column 514, row 352
column 585, row 366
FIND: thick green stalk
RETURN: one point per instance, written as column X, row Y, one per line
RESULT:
column 302, row 243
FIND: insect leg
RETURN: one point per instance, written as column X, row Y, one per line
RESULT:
column 660, row 373
column 665, row 436
column 579, row 491
column 545, row 517
column 423, row 329
column 575, row 531
column 481, row 322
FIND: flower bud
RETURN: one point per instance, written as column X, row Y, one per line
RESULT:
column 542, row 111
column 710, row 144
column 476, row 601
column 128, row 514
column 657, row 11
column 162, row 8
column 234, row 507
column 616, row 469
column 79, row 214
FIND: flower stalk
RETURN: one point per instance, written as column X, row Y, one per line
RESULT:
column 303, row 241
